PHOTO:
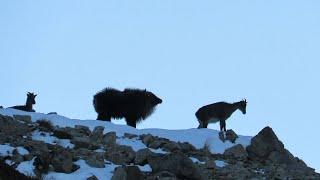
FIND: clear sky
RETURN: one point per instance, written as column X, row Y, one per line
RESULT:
column 189, row 53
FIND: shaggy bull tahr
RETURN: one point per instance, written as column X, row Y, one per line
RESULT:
column 132, row 104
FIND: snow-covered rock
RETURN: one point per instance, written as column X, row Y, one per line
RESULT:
column 64, row 148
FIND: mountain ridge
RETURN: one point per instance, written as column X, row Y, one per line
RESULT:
column 53, row 146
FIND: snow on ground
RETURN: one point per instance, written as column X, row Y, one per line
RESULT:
column 137, row 144
column 84, row 172
column 197, row 137
column 6, row 150
column 22, row 151
column 195, row 160
column 26, row 167
column 145, row 168
column 47, row 138
column 220, row 163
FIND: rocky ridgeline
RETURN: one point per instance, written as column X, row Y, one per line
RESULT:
column 266, row 157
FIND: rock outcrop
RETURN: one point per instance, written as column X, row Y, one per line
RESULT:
column 265, row 158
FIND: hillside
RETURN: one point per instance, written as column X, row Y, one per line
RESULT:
column 51, row 146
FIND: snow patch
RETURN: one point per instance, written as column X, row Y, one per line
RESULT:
column 220, row 163
column 195, row 160
column 48, row 138
column 145, row 168
column 84, row 172
column 26, row 167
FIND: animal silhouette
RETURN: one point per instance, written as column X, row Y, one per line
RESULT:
column 132, row 104
column 29, row 103
column 219, row 111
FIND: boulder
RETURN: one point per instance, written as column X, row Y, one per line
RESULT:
column 69, row 133
column 142, row 156
column 171, row 146
column 186, row 147
column 263, row 144
column 120, row 154
column 41, row 163
column 127, row 173
column 81, row 142
column 130, row 136
column 97, row 134
column 210, row 164
column 83, row 130
column 37, row 148
column 146, row 139
column 62, row 161
column 62, row 133
column 95, row 160
column 231, row 136
column 236, row 151
column 176, row 163
column 157, row 143
column 92, row 178
column 109, row 139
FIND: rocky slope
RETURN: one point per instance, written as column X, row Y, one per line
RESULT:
column 45, row 150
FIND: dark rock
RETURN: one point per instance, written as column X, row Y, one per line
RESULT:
column 62, row 133
column 141, row 156
column 45, row 125
column 157, row 143
column 163, row 175
column 133, row 172
column 62, row 161
column 236, row 171
column 210, row 164
column 37, row 148
column 127, row 173
column 176, row 163
column 109, row 139
column 186, row 147
column 264, row 143
column 120, row 173
column 10, row 125
column 130, row 136
column 95, row 160
column 41, row 163
column 82, row 153
column 171, row 146
column 231, row 136
column 92, row 178
column 147, row 139
column 69, row 133
column 97, row 134
column 237, row 151
column 81, row 142
column 120, row 154
column 82, row 130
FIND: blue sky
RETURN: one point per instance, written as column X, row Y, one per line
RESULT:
column 189, row 53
